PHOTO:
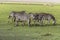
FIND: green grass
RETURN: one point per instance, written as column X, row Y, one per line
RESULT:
column 9, row 32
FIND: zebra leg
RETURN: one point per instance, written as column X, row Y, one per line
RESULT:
column 14, row 19
column 34, row 22
column 23, row 23
column 41, row 22
column 16, row 22
column 54, row 22
column 48, row 21
column 29, row 22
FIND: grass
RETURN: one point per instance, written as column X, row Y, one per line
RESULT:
column 9, row 32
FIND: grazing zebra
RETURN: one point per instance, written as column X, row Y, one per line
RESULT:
column 19, row 17
column 48, row 17
column 12, row 15
column 40, row 17
column 22, row 17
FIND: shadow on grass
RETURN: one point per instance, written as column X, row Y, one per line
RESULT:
column 37, row 25
column 32, row 25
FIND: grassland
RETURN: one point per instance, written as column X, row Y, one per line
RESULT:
column 9, row 32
